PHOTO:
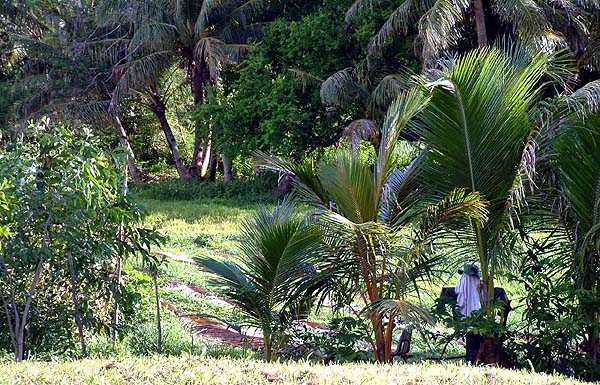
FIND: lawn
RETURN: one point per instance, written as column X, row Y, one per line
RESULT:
column 203, row 371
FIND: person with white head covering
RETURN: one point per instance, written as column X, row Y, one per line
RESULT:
column 468, row 292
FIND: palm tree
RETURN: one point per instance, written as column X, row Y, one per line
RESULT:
column 440, row 23
column 63, row 74
column 366, row 212
column 198, row 35
column 368, row 86
column 479, row 135
column 268, row 281
column 577, row 162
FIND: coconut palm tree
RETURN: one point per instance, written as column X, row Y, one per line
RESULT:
column 200, row 36
column 268, row 281
column 440, row 23
column 479, row 132
column 62, row 71
column 377, row 233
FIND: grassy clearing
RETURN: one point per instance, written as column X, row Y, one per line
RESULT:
column 211, row 228
column 199, row 227
column 195, row 370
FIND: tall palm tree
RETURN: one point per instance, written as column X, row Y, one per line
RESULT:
column 198, row 35
column 61, row 73
column 366, row 211
column 440, row 22
column 268, row 281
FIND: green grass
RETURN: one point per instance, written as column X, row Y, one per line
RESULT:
column 199, row 227
column 211, row 228
column 200, row 370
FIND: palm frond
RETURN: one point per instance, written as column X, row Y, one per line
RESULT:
column 304, row 78
column 360, row 129
column 440, row 26
column 213, row 53
column 388, row 90
column 404, row 108
column 309, row 188
column 398, row 23
column 341, row 89
column 526, row 17
column 136, row 74
column 207, row 8
column 405, row 310
column 357, row 7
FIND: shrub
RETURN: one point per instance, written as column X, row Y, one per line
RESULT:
column 258, row 189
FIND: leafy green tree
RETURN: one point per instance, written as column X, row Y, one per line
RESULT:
column 269, row 102
column 68, row 218
column 268, row 281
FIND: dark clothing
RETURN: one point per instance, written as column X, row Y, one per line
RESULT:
column 473, row 343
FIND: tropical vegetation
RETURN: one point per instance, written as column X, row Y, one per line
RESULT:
column 302, row 163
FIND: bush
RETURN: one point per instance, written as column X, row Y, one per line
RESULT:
column 258, row 189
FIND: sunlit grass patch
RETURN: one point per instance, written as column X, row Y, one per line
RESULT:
column 202, row 370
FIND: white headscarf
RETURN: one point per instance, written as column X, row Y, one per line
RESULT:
column 467, row 290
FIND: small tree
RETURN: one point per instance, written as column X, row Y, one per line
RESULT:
column 268, row 282
column 375, row 227
column 64, row 209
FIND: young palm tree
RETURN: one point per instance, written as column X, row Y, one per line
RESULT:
column 268, row 282
column 378, row 235
column 577, row 162
column 479, row 132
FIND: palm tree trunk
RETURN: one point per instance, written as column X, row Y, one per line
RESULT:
column 134, row 171
column 199, row 79
column 267, row 345
column 159, row 108
column 227, row 169
column 212, row 169
column 482, row 39
column 206, row 156
column 76, row 309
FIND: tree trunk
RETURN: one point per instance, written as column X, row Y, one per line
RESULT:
column 482, row 38
column 491, row 351
column 158, row 320
column 206, row 155
column 76, row 309
column 212, row 169
column 202, row 144
column 159, row 108
column 227, row 169
column 21, row 322
column 267, row 346
column 134, row 171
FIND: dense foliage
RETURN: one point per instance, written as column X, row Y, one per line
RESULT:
column 68, row 222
